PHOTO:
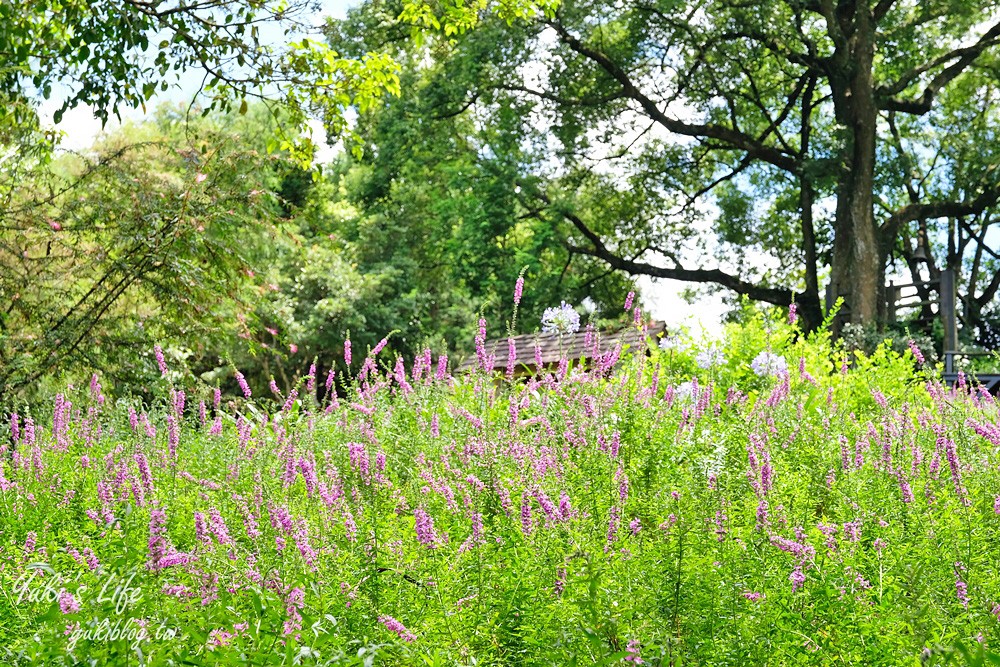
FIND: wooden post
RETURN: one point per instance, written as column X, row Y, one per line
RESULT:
column 948, row 317
column 892, row 294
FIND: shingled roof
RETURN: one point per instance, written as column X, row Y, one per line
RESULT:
column 554, row 347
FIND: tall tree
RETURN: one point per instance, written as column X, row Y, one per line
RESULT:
column 768, row 125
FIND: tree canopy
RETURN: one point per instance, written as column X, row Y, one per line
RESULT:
column 752, row 147
column 117, row 55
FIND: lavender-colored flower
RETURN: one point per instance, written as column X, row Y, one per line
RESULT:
column 395, row 626
column 961, row 588
column 622, row 477
column 628, row 301
column 720, row 526
column 633, row 652
column 566, row 509
column 762, row 514
column 217, row 526
column 561, row 320
column 242, row 381
column 767, row 363
column 852, row 530
column 481, row 344
column 157, row 538
column 560, row 584
column 710, row 358
column 201, row 528
column 613, row 523
column 424, row 525
column 518, row 289
column 907, row 492
column 797, row 577
column 526, row 524
column 917, row 354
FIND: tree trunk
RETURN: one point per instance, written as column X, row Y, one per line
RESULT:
column 809, row 302
column 858, row 266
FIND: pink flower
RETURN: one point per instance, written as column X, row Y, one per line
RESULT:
column 633, row 646
column 200, row 178
column 67, row 603
column 160, row 360
column 243, row 384
column 393, row 625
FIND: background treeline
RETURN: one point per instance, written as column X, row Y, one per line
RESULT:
column 763, row 150
column 188, row 232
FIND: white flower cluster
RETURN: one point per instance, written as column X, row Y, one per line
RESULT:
column 671, row 343
column 767, row 363
column 561, row 320
column 710, row 358
column 685, row 392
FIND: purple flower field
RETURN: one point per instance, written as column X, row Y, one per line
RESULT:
column 766, row 499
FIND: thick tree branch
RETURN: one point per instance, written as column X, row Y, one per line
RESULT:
column 932, row 210
column 737, row 140
column 881, row 9
column 963, row 58
column 774, row 295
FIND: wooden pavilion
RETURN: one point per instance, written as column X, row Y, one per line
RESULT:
column 578, row 347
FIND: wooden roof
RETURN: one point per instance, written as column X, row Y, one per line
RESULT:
column 573, row 346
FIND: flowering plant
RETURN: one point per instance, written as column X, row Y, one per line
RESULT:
column 562, row 319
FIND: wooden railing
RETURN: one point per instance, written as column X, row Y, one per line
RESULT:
column 946, row 302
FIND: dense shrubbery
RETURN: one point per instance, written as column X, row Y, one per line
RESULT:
column 695, row 505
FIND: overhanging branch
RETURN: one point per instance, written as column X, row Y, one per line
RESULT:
column 734, row 138
column 932, row 210
column 962, row 58
column 773, row 295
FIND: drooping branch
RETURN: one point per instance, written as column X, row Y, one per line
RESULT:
column 731, row 137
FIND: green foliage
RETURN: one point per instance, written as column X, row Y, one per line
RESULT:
column 115, row 55
column 151, row 235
